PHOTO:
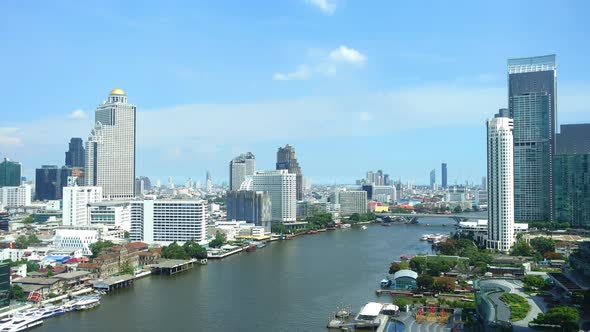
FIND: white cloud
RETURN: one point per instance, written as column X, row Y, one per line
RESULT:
column 77, row 114
column 6, row 137
column 326, row 6
column 301, row 73
column 349, row 55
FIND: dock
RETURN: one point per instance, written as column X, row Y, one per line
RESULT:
column 221, row 254
column 381, row 291
column 112, row 283
column 172, row 266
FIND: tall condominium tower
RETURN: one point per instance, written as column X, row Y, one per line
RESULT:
column 281, row 186
column 75, row 154
column 239, row 168
column 286, row 160
column 10, row 172
column 110, row 148
column 500, row 184
column 432, row 178
column 443, row 172
column 531, row 100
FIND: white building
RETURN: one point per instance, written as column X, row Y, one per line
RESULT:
column 239, row 168
column 281, row 186
column 166, row 221
column 500, row 184
column 112, row 213
column 110, row 148
column 75, row 204
column 384, row 194
column 75, row 239
column 352, row 202
column 12, row 254
column 13, row 197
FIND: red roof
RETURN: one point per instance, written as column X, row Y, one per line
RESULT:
column 138, row 245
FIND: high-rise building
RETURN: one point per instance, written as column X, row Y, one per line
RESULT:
column 75, row 155
column 281, row 186
column 110, row 213
column 250, row 206
column 49, row 181
column 500, row 184
column 432, row 178
column 110, row 148
column 572, row 175
column 14, row 197
column 384, row 194
column 386, row 180
column 239, row 168
column 370, row 178
column 10, row 173
column 443, row 174
column 286, row 160
column 142, row 185
column 4, row 285
column 75, row 204
column 531, row 99
column 166, row 221
column 484, row 183
column 352, row 202
column 209, row 182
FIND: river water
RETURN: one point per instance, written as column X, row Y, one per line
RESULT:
column 288, row 286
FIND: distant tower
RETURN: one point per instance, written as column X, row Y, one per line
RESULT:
column 110, row 148
column 500, row 184
column 239, row 168
column 209, row 183
column 10, row 173
column 443, row 173
column 286, row 160
column 170, row 183
column 432, row 179
column 75, row 154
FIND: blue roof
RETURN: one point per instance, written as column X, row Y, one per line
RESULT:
column 57, row 258
column 405, row 273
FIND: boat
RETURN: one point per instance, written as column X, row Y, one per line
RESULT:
column 345, row 226
column 69, row 306
column 87, row 303
column 386, row 224
column 364, row 227
column 260, row 245
column 385, row 282
column 425, row 237
column 251, row 247
column 48, row 312
column 22, row 323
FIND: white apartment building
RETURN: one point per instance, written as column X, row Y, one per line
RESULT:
column 12, row 254
column 75, row 239
column 75, row 204
column 110, row 148
column 500, row 184
column 282, row 188
column 111, row 213
column 385, row 194
column 352, row 202
column 166, row 221
column 13, row 197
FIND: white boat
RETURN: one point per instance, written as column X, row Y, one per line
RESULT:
column 425, row 237
column 364, row 227
column 22, row 323
column 69, row 306
column 5, row 322
column 87, row 303
column 48, row 312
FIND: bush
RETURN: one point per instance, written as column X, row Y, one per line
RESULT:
column 519, row 306
column 567, row 317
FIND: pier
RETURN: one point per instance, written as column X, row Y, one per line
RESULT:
column 113, row 283
column 393, row 292
column 172, row 266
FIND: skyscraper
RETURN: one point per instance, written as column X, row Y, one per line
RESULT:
column 251, row 206
column 500, row 184
column 10, row 173
column 110, row 148
column 239, row 168
column 75, row 155
column 286, row 160
column 432, row 178
column 49, row 181
column 209, row 182
column 352, row 202
column 281, row 186
column 443, row 173
column 75, row 204
column 531, row 100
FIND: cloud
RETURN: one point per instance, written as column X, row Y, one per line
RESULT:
column 301, row 73
column 326, row 6
column 349, row 55
column 323, row 63
column 6, row 138
column 78, row 114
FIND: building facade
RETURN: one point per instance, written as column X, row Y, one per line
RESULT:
column 110, row 148
column 443, row 174
column 352, row 202
column 10, row 173
column 75, row 204
column 239, row 168
column 13, row 197
column 531, row 99
column 111, row 214
column 49, row 182
column 500, row 184
column 251, row 206
column 432, row 178
column 75, row 239
column 166, row 221
column 286, row 160
column 75, row 156
column 281, row 186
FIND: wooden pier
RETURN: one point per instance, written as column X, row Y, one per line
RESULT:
column 172, row 266
column 394, row 292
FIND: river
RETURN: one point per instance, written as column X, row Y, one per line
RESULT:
column 287, row 286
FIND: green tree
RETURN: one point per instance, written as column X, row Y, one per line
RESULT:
column 126, row 268
column 278, row 228
column 443, row 284
column 320, row 219
column 218, row 241
column 32, row 266
column 458, row 209
column 533, row 282
column 194, row 250
column 543, row 245
column 425, row 281
column 418, row 264
column 521, row 248
column 394, row 267
column 448, row 247
column 98, row 247
column 126, row 235
column 29, row 219
column 400, row 301
column 567, row 317
column 174, row 251
column 21, row 242
column 17, row 293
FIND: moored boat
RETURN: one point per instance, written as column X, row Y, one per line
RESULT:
column 385, row 282
column 87, row 303
column 251, row 247
column 22, row 324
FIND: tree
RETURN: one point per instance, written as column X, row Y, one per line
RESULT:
column 98, row 247
column 278, row 228
column 458, row 209
column 50, row 272
column 533, row 282
column 552, row 255
column 321, row 219
column 400, row 301
column 218, row 241
column 394, row 267
column 21, row 242
column 126, row 235
column 418, row 264
column 126, row 268
column 174, row 251
column 443, row 284
column 425, row 281
column 448, row 247
column 543, row 245
column 17, row 293
column 32, row 266
column 194, row 250
column 29, row 219
column 521, row 248
column 567, row 317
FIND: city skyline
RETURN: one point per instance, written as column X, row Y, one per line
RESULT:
column 326, row 79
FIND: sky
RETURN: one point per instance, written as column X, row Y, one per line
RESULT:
column 353, row 85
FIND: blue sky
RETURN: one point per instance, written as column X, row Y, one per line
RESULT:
column 353, row 85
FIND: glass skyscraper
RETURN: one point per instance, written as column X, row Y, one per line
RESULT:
column 443, row 172
column 10, row 173
column 531, row 101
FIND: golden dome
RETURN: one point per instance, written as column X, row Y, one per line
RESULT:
column 117, row 91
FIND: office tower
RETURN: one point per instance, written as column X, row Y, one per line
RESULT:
column 286, row 160
column 75, row 155
column 281, row 186
column 531, row 100
column 352, row 202
column 443, row 172
column 379, row 178
column 49, row 181
column 14, row 197
column 572, row 175
column 158, row 183
column 142, row 185
column 432, row 178
column 4, row 220
column 75, row 204
column 369, row 189
column 500, row 184
column 239, row 168
column 251, row 206
column 484, row 183
column 386, row 180
column 166, row 221
column 110, row 213
column 110, row 148
column 384, row 194
column 209, row 183
column 4, row 285
column 170, row 183
column 370, row 178
column 10, row 173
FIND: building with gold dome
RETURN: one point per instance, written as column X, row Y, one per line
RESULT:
column 110, row 149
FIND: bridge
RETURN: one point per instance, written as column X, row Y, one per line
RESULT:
column 413, row 217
